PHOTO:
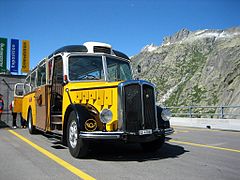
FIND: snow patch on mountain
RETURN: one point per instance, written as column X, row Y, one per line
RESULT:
column 149, row 48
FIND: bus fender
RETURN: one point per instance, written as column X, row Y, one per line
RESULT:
column 81, row 114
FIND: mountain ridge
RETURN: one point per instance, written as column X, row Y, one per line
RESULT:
column 194, row 68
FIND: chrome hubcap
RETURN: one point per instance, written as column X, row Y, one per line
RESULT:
column 30, row 122
column 73, row 134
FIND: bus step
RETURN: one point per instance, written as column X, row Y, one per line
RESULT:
column 56, row 126
column 56, row 119
column 59, row 132
column 57, row 116
column 57, row 122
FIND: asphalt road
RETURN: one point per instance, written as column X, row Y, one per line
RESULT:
column 189, row 153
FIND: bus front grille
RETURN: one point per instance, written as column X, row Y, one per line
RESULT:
column 139, row 107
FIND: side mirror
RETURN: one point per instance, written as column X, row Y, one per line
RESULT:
column 157, row 93
column 139, row 69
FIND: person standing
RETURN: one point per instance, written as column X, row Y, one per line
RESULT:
column 23, row 122
column 14, row 115
column 1, row 105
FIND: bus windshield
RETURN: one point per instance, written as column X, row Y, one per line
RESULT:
column 91, row 68
column 85, row 68
column 118, row 70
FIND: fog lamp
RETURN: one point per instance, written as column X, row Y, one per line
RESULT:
column 166, row 114
column 106, row 115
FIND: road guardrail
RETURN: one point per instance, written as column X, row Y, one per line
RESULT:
column 220, row 112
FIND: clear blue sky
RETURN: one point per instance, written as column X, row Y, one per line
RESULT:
column 128, row 25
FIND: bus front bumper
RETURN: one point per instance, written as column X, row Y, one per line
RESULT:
column 125, row 136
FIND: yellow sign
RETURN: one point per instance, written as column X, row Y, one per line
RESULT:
column 25, row 56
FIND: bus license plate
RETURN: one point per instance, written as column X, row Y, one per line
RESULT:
column 145, row 131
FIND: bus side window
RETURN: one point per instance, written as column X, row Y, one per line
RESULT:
column 27, row 87
column 41, row 76
column 58, row 72
column 33, row 79
column 19, row 89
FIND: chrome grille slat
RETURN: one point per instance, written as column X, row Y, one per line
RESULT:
column 149, row 107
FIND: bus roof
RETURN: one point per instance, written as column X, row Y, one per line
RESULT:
column 84, row 49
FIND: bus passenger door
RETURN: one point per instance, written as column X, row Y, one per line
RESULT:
column 41, row 106
column 57, row 96
column 18, row 97
column 41, row 95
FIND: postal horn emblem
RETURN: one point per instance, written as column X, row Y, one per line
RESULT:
column 91, row 125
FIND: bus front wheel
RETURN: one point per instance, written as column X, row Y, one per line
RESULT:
column 78, row 147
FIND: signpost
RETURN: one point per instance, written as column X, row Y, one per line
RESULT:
column 25, row 56
column 3, row 55
column 14, row 55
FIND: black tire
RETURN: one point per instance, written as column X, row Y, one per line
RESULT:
column 78, row 147
column 153, row 146
column 31, row 128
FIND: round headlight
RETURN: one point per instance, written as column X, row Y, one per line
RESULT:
column 166, row 114
column 106, row 115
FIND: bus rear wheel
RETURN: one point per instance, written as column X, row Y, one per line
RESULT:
column 78, row 147
column 31, row 127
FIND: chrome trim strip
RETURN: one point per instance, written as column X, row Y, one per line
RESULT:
column 121, row 101
column 155, row 100
column 104, row 62
column 137, row 82
column 100, row 135
column 101, row 87
column 168, row 131
column 142, row 105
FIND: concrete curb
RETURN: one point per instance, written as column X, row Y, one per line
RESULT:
column 223, row 124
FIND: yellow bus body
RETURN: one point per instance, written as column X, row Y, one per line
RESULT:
column 101, row 95
column 17, row 104
column 29, row 101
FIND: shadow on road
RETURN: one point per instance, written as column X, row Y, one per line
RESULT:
column 3, row 125
column 55, row 140
column 120, row 151
column 132, row 152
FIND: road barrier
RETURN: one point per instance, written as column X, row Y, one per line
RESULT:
column 229, row 112
column 212, row 117
column 210, row 123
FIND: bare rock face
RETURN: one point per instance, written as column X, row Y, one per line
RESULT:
column 199, row 68
column 182, row 34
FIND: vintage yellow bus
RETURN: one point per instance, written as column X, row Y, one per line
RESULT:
column 86, row 92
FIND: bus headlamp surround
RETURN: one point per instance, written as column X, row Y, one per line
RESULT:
column 166, row 114
column 106, row 115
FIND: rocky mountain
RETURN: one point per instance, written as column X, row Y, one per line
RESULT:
column 199, row 68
